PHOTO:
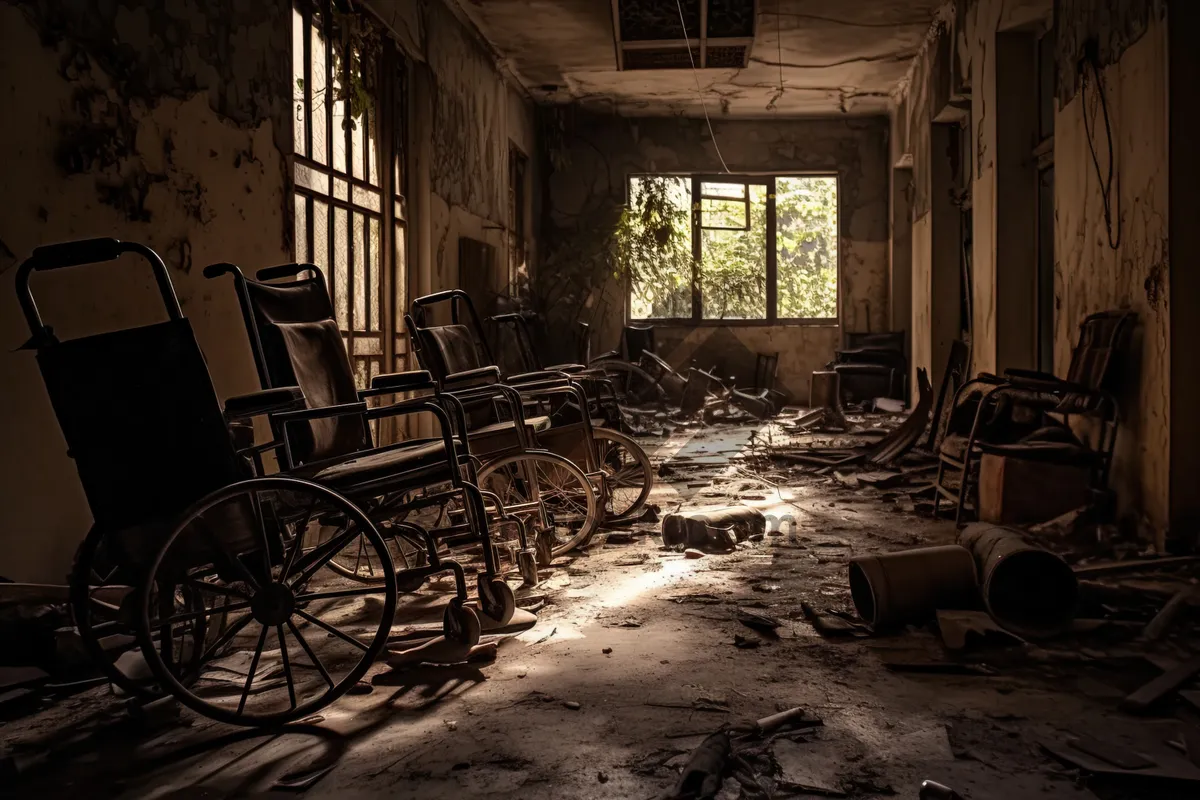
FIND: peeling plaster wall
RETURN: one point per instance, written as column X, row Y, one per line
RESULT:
column 587, row 190
column 476, row 114
column 163, row 123
column 1089, row 275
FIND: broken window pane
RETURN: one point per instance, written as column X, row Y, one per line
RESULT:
column 806, row 231
column 735, row 191
column 724, row 214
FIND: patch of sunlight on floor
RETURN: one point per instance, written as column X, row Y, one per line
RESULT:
column 634, row 586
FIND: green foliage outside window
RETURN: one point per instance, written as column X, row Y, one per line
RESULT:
column 654, row 248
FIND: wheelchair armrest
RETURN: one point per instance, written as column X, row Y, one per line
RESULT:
column 533, row 377
column 572, row 368
column 325, row 412
column 404, row 381
column 266, row 401
column 467, row 379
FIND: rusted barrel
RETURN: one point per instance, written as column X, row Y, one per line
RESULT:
column 1029, row 590
column 908, row 587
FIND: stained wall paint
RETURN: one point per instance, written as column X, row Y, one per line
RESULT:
column 160, row 124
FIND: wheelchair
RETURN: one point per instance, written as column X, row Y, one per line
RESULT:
column 459, row 357
column 224, row 583
column 629, row 474
column 294, row 338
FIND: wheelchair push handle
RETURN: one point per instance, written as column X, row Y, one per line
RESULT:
column 82, row 253
column 75, row 254
column 287, row 271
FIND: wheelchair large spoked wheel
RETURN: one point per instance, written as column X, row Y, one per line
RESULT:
column 564, row 490
column 359, row 563
column 296, row 633
column 104, row 609
column 628, row 474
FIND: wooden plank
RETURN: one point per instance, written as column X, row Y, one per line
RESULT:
column 1135, row 565
column 1161, row 686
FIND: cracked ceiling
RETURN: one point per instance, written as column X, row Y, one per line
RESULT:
column 835, row 56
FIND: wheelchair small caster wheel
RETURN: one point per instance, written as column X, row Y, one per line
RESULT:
column 497, row 600
column 527, row 563
column 460, row 623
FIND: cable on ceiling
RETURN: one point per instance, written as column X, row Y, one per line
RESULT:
column 695, row 74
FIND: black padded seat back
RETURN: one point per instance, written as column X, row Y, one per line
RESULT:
column 141, row 420
column 302, row 346
column 1102, row 337
column 448, row 349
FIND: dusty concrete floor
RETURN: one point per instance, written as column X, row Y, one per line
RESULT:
column 634, row 636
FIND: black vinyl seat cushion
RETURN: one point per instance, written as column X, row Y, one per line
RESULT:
column 409, row 462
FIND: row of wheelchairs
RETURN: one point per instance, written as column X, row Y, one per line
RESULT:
column 247, row 558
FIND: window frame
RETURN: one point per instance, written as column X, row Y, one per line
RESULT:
column 387, row 154
column 772, row 318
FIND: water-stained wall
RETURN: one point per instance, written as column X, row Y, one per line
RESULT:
column 592, row 156
column 164, row 123
column 1090, row 275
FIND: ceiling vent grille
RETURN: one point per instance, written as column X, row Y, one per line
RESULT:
column 649, row 33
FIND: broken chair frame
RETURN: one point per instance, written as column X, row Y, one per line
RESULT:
column 1082, row 394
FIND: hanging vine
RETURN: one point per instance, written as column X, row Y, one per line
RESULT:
column 352, row 32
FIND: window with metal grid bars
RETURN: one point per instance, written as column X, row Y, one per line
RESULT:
column 350, row 212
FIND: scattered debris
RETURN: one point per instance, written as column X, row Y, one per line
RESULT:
column 832, row 624
column 572, row 705
column 932, row 790
column 758, row 622
column 961, row 629
column 703, row 774
column 300, row 781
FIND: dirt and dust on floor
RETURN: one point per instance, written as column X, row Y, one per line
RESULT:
column 742, row 660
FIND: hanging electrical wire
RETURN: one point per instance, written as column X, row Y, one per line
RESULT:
column 779, row 42
column 1106, row 183
column 695, row 74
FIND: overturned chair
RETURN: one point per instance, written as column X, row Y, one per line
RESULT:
column 1028, row 415
column 196, row 559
